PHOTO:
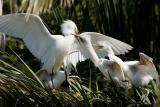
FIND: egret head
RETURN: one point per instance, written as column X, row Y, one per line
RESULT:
column 68, row 27
column 115, row 70
column 146, row 60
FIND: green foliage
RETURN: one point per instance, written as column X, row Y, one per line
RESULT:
column 21, row 87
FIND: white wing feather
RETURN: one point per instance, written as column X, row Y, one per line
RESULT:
column 73, row 57
column 34, row 33
column 101, row 42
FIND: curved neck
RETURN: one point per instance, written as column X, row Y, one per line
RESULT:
column 89, row 52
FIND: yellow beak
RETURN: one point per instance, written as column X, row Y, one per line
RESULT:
column 76, row 31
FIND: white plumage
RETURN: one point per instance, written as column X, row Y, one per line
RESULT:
column 105, row 66
column 101, row 44
column 89, row 46
column 140, row 72
column 49, row 49
column 57, row 80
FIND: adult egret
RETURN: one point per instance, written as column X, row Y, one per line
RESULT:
column 141, row 72
column 49, row 49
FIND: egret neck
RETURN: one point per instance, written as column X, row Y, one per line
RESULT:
column 88, row 51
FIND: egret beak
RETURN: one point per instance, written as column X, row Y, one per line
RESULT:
column 76, row 30
column 76, row 35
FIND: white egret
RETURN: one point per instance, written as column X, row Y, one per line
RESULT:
column 140, row 72
column 53, row 50
column 107, row 67
column 49, row 49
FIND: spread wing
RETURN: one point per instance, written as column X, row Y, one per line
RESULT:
column 33, row 32
column 101, row 42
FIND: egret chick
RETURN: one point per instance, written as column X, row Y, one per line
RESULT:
column 107, row 67
column 141, row 72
